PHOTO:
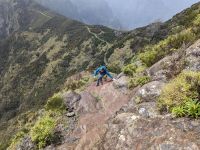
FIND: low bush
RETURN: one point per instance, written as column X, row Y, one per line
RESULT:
column 138, row 80
column 55, row 103
column 77, row 84
column 130, row 69
column 153, row 53
column 191, row 109
column 179, row 111
column 114, row 67
column 16, row 140
column 196, row 22
column 42, row 132
column 180, row 90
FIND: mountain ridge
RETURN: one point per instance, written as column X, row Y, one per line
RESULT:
column 118, row 14
column 47, row 57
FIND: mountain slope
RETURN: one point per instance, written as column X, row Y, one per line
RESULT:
column 41, row 54
column 117, row 13
column 21, row 15
column 55, row 47
column 90, row 12
column 41, row 59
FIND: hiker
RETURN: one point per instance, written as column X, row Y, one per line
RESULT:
column 101, row 71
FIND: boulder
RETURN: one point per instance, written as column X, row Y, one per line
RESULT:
column 193, row 57
column 148, row 109
column 26, row 144
column 88, row 104
column 130, row 131
column 120, row 75
column 122, row 82
column 71, row 100
column 166, row 68
column 149, row 92
column 70, row 114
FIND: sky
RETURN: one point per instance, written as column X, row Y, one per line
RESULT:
column 119, row 14
column 136, row 13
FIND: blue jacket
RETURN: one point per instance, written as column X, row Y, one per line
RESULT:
column 105, row 72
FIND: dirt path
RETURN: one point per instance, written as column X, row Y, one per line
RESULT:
column 95, row 35
column 42, row 13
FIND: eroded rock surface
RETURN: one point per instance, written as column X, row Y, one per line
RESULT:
column 95, row 107
column 149, row 92
column 193, row 57
column 71, row 100
column 111, row 117
column 132, row 132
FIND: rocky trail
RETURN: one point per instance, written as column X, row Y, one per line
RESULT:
column 114, row 117
column 110, row 117
column 96, row 106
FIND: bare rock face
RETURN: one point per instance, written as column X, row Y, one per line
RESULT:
column 148, row 110
column 121, row 83
column 166, row 68
column 148, row 92
column 71, row 100
column 8, row 19
column 88, row 104
column 27, row 144
column 193, row 57
column 96, row 106
column 131, row 132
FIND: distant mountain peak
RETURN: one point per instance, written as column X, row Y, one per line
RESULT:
column 118, row 14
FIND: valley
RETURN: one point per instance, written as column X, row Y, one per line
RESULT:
column 46, row 83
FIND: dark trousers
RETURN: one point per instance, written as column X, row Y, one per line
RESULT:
column 100, row 79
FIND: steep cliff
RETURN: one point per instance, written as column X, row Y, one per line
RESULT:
column 48, row 99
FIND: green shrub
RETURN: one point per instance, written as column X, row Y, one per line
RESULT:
column 181, row 89
column 77, row 84
column 143, row 80
column 191, row 108
column 153, row 53
column 55, row 103
column 115, row 67
column 149, row 57
column 16, row 140
column 130, row 69
column 140, row 69
column 139, row 80
column 179, row 111
column 42, row 132
column 84, row 80
column 196, row 22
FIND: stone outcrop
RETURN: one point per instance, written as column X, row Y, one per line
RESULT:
column 193, row 57
column 112, row 117
column 95, row 107
column 167, row 67
column 131, row 132
column 148, row 92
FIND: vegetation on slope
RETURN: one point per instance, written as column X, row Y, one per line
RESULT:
column 37, row 61
column 42, row 129
column 180, row 96
column 182, row 33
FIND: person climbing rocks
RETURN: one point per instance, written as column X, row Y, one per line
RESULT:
column 101, row 72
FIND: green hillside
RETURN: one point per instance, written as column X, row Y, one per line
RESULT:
column 38, row 59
